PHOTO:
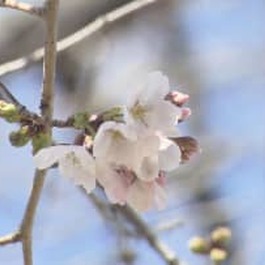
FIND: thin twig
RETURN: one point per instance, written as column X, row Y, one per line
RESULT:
column 99, row 23
column 140, row 226
column 7, row 96
column 23, row 7
column 49, row 61
column 28, row 219
column 146, row 232
column 46, row 112
column 10, row 239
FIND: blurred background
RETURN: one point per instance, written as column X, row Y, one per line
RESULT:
column 211, row 50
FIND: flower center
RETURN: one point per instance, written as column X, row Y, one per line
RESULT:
column 116, row 135
column 139, row 112
column 127, row 175
column 73, row 159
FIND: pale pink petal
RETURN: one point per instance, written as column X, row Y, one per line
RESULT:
column 148, row 145
column 140, row 196
column 115, row 187
column 149, row 168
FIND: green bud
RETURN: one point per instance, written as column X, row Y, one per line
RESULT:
column 81, row 120
column 20, row 137
column 218, row 255
column 114, row 114
column 221, row 236
column 9, row 112
column 199, row 245
column 40, row 141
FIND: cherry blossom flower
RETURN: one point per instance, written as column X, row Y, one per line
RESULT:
column 74, row 162
column 148, row 110
column 130, row 158
column 121, row 186
column 143, row 196
column 118, row 143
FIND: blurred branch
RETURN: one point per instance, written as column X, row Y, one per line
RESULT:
column 143, row 230
column 23, row 7
column 78, row 36
column 7, row 96
column 146, row 232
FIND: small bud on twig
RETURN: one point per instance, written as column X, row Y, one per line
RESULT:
column 218, row 255
column 20, row 137
column 199, row 245
column 221, row 236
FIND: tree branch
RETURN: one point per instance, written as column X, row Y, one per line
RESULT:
column 78, row 36
column 10, row 238
column 46, row 113
column 23, row 7
column 28, row 219
column 49, row 61
column 146, row 232
column 142, row 229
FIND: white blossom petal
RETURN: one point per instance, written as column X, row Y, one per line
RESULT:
column 140, row 196
column 149, row 168
column 46, row 157
column 163, row 117
column 115, row 185
column 169, row 155
column 79, row 176
column 74, row 162
column 116, row 143
column 155, row 87
column 160, row 197
column 148, row 109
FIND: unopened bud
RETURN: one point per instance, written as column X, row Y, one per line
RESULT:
column 188, row 147
column 81, row 120
column 20, row 137
column 218, row 255
column 185, row 114
column 177, row 98
column 199, row 245
column 113, row 114
column 221, row 236
column 128, row 256
column 9, row 112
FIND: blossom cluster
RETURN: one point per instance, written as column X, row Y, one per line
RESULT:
column 129, row 159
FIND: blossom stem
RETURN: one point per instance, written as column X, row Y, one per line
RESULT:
column 144, row 231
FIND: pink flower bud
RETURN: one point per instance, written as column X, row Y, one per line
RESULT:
column 185, row 114
column 177, row 98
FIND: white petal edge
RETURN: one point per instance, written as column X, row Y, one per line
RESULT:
column 169, row 155
column 46, row 157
